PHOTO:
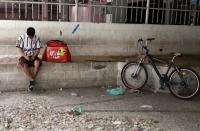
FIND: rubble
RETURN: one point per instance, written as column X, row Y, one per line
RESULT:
column 74, row 94
column 39, row 114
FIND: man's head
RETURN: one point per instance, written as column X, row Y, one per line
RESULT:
column 30, row 32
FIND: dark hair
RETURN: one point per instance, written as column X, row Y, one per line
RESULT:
column 30, row 31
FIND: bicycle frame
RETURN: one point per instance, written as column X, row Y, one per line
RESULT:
column 164, row 78
column 152, row 59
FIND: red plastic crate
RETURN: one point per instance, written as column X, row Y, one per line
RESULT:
column 56, row 51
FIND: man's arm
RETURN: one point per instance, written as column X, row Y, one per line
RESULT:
column 20, row 45
column 36, row 53
column 22, row 53
column 38, row 46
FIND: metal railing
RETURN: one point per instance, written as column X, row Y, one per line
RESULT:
column 173, row 12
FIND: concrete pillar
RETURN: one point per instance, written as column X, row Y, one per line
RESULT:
column 147, row 12
column 26, row 10
column 32, row 11
column 65, row 11
column 167, row 2
column 60, row 11
column 76, row 11
column 36, row 11
column 45, row 11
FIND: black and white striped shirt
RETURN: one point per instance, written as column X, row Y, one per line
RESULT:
column 28, row 45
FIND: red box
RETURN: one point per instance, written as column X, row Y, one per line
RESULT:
column 56, row 51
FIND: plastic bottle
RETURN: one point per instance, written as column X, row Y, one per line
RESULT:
column 77, row 110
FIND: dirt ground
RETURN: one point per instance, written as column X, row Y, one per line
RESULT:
column 47, row 110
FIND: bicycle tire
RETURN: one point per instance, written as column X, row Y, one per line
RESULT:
column 185, row 90
column 135, row 81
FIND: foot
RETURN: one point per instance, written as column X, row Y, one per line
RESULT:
column 31, row 86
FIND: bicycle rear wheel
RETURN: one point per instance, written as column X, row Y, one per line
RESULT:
column 185, row 84
column 134, row 82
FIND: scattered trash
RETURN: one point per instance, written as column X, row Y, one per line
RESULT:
column 103, row 87
column 8, row 122
column 146, row 106
column 116, row 91
column 109, row 86
column 99, row 129
column 75, row 29
column 90, row 126
column 70, row 115
column 117, row 122
column 155, row 121
column 74, row 94
column 7, row 125
column 61, row 89
column 75, row 111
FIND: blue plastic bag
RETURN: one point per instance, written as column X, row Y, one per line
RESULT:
column 116, row 91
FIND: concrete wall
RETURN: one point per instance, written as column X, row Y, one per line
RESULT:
column 104, row 39
column 60, row 75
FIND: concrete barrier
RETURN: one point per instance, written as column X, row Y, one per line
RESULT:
column 73, row 75
column 60, row 75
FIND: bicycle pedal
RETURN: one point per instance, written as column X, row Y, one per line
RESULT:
column 162, row 88
column 135, row 91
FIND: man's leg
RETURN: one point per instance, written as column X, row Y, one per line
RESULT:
column 36, row 63
column 27, row 72
column 25, row 68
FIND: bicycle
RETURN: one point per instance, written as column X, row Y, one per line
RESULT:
column 183, row 82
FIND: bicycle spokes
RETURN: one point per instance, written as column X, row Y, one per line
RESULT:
column 184, row 84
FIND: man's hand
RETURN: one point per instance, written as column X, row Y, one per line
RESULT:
column 35, row 54
column 32, row 58
column 26, row 57
column 22, row 54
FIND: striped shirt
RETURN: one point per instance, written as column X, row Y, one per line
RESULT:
column 28, row 45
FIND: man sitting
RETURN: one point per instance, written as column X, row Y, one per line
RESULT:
column 29, row 48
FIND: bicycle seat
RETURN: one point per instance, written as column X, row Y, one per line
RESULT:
column 150, row 39
column 139, row 40
column 176, row 54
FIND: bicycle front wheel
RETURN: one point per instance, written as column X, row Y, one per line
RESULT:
column 185, row 84
column 134, row 76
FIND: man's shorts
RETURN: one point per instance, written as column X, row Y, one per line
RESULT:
column 23, row 61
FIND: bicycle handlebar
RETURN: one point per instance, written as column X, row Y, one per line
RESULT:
column 141, row 41
column 148, row 39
